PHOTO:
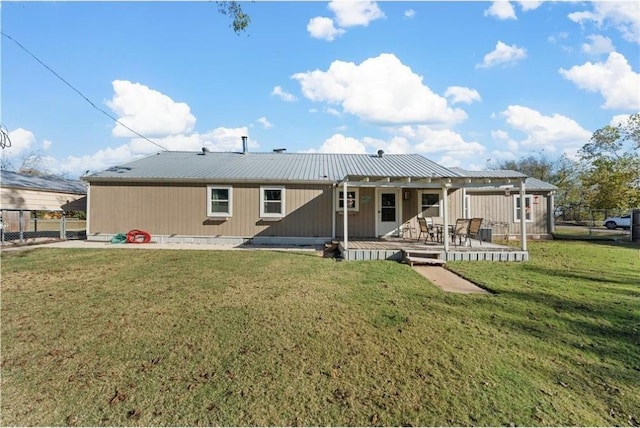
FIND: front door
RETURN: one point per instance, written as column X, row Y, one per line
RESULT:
column 388, row 212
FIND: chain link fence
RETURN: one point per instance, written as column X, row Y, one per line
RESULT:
column 20, row 229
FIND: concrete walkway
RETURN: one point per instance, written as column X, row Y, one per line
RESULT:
column 154, row 246
column 448, row 281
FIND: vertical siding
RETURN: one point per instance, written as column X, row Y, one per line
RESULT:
column 180, row 209
column 361, row 223
column 496, row 207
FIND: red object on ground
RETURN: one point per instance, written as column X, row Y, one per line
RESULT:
column 138, row 237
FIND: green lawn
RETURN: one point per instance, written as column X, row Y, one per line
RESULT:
column 160, row 337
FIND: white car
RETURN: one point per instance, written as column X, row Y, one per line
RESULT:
column 623, row 222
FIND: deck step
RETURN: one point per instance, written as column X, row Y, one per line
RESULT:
column 412, row 260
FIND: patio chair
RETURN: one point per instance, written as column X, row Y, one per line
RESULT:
column 461, row 231
column 425, row 229
column 474, row 229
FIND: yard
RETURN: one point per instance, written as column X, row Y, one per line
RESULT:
column 163, row 337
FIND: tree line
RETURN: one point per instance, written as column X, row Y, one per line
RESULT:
column 604, row 176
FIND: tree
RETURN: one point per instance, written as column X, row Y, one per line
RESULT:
column 612, row 176
column 240, row 20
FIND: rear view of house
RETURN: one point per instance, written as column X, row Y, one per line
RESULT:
column 293, row 198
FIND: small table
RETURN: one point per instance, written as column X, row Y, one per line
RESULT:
column 407, row 228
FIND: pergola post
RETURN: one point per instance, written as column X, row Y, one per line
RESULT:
column 345, row 220
column 445, row 218
column 334, row 191
column 523, row 217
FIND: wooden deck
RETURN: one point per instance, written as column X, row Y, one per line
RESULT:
column 404, row 249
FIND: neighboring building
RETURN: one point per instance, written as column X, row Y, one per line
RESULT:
column 38, row 193
column 21, row 194
column 292, row 198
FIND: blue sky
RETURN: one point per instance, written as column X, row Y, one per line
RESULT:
column 462, row 83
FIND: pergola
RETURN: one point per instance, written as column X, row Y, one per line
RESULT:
column 504, row 179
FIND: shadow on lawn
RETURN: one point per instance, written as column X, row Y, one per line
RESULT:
column 600, row 323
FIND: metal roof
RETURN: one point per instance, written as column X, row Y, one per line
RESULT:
column 34, row 182
column 499, row 173
column 530, row 183
column 271, row 167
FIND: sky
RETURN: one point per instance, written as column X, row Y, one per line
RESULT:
column 465, row 84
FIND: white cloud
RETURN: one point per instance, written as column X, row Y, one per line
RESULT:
column 598, row 45
column 333, row 111
column 350, row 13
column 504, row 55
column 501, row 9
column 338, row 143
column 614, row 80
column 619, row 119
column 623, row 15
column 409, row 13
column 46, row 144
column 527, row 5
column 549, row 133
column 459, row 94
column 265, row 123
column 381, row 90
column 396, row 145
column 22, row 141
column 148, row 111
column 444, row 146
column 285, row 96
column 321, row 27
column 219, row 139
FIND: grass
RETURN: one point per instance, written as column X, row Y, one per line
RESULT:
column 573, row 232
column 127, row 337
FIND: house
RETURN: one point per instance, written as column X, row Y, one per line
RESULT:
column 38, row 193
column 21, row 194
column 288, row 198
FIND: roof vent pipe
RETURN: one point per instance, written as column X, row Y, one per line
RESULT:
column 380, row 153
column 245, row 147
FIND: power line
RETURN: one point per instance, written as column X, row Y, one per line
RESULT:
column 78, row 92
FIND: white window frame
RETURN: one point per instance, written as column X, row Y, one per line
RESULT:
column 430, row 192
column 339, row 199
column 528, row 215
column 283, row 207
column 466, row 208
column 211, row 213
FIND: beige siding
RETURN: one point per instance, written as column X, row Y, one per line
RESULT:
column 498, row 208
column 35, row 200
column 361, row 224
column 181, row 210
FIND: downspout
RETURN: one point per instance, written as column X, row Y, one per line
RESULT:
column 345, row 220
column 523, row 217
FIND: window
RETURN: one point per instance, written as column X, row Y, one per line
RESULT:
column 527, row 208
column 429, row 204
column 219, row 201
column 272, row 201
column 352, row 200
column 466, row 208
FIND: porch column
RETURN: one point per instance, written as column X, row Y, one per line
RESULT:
column 345, row 213
column 523, row 215
column 445, row 218
column 551, row 215
column 334, row 192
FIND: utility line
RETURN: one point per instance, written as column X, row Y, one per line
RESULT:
column 78, row 92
